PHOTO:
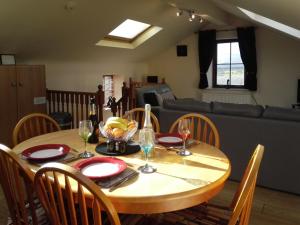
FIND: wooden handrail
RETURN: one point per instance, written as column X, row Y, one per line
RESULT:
column 128, row 99
column 76, row 103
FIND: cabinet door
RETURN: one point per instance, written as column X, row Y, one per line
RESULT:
column 31, row 90
column 8, row 103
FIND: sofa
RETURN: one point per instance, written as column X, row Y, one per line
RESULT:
column 241, row 128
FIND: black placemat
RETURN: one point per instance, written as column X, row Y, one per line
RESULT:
column 111, row 181
column 130, row 149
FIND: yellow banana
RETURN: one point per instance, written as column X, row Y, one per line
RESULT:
column 116, row 124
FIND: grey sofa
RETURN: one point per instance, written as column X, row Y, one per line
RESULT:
column 241, row 128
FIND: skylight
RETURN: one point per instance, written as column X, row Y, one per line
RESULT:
column 272, row 23
column 129, row 29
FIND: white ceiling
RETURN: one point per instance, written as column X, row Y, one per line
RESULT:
column 46, row 30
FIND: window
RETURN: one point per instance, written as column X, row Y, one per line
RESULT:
column 108, row 87
column 129, row 29
column 129, row 34
column 228, row 66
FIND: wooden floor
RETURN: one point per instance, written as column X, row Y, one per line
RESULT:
column 269, row 207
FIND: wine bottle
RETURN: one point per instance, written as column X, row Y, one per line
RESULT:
column 93, row 117
column 147, row 121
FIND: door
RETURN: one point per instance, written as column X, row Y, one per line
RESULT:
column 31, row 92
column 8, row 103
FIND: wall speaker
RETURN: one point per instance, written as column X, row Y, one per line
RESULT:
column 181, row 50
column 152, row 79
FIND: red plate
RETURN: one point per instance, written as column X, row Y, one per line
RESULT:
column 169, row 139
column 46, row 152
column 101, row 167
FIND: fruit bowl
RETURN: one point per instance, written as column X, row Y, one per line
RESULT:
column 118, row 129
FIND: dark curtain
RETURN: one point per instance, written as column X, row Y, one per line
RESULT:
column 246, row 39
column 206, row 49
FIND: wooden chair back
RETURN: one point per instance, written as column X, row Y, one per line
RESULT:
column 242, row 202
column 202, row 129
column 33, row 125
column 138, row 114
column 63, row 189
column 17, row 183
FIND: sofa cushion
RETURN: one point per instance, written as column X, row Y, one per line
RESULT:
column 280, row 113
column 150, row 98
column 167, row 96
column 161, row 88
column 237, row 109
column 187, row 104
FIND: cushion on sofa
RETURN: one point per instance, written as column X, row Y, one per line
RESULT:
column 150, row 98
column 280, row 113
column 237, row 109
column 187, row 104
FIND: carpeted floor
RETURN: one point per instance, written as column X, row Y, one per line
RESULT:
column 269, row 207
column 3, row 209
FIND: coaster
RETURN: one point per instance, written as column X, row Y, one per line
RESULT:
column 111, row 181
column 130, row 149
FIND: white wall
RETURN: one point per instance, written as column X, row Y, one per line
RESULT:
column 84, row 76
column 278, row 59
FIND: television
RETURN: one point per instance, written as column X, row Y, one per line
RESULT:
column 152, row 79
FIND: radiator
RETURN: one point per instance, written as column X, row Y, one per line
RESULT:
column 232, row 97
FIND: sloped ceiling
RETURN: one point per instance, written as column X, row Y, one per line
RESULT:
column 68, row 30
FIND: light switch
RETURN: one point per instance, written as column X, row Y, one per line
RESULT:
column 39, row 100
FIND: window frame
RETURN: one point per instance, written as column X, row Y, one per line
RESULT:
column 112, row 91
column 214, row 72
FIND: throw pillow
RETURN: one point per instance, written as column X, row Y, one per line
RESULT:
column 150, row 98
column 167, row 96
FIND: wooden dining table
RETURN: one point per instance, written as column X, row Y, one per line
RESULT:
column 180, row 181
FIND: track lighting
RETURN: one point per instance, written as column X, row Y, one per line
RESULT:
column 191, row 15
column 179, row 13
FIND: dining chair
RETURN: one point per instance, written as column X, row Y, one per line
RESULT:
column 138, row 114
column 33, row 125
column 17, row 184
column 202, row 128
column 238, row 212
column 56, row 185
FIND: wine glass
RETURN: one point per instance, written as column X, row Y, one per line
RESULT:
column 184, row 131
column 146, row 141
column 85, row 130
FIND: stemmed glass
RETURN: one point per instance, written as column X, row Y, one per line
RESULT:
column 85, row 130
column 146, row 141
column 184, row 131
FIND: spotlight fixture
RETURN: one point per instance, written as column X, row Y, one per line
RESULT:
column 191, row 15
column 179, row 13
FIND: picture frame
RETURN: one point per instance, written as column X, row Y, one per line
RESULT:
column 8, row 59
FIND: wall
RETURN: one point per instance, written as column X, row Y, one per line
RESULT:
column 85, row 76
column 278, row 58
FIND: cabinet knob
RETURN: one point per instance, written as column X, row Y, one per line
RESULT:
column 13, row 84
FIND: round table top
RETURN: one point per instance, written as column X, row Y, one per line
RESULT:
column 204, row 174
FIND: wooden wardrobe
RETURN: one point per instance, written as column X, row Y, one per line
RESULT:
column 22, row 91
